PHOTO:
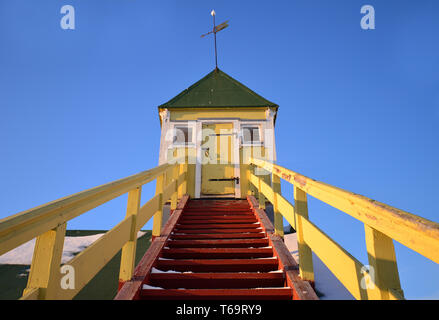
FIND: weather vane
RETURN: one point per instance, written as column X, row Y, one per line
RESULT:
column 214, row 31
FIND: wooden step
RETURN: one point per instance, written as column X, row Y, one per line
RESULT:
column 217, row 220
column 205, row 213
column 216, row 253
column 218, row 217
column 221, row 209
column 210, row 231
column 218, row 243
column 218, row 236
column 214, row 206
column 217, row 250
column 216, row 280
column 219, row 265
column 219, row 294
column 195, row 203
column 218, row 226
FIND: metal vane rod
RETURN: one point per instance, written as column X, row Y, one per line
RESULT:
column 214, row 31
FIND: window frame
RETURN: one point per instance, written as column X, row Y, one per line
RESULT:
column 190, row 135
column 244, row 143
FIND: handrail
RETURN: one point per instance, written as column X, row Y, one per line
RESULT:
column 383, row 224
column 48, row 223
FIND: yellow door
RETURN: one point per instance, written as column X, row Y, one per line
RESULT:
column 217, row 169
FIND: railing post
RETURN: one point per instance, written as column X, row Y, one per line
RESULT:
column 305, row 253
column 382, row 261
column 261, row 196
column 46, row 262
column 251, row 188
column 128, row 258
column 182, row 188
column 158, row 216
column 249, row 184
column 278, row 219
column 174, row 197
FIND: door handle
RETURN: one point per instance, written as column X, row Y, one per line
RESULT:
column 236, row 179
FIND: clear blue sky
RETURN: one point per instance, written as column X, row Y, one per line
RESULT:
column 358, row 109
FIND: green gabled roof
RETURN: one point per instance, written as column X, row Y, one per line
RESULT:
column 217, row 89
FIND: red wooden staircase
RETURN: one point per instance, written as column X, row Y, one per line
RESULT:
column 217, row 249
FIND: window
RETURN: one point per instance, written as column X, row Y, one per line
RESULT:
column 182, row 135
column 250, row 135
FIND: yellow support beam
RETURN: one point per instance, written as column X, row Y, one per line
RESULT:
column 45, row 269
column 261, row 197
column 382, row 261
column 182, row 180
column 31, row 294
column 169, row 190
column 278, row 219
column 158, row 216
column 305, row 254
column 174, row 197
column 147, row 211
column 128, row 257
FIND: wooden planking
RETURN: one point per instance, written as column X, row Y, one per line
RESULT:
column 219, row 265
column 219, row 294
column 218, row 226
column 229, row 207
column 218, row 243
column 213, row 231
column 185, row 221
column 216, row 253
column 209, row 216
column 417, row 233
column 24, row 226
column 219, row 236
column 217, row 280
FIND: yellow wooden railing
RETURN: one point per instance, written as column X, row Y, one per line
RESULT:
column 382, row 223
column 48, row 224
